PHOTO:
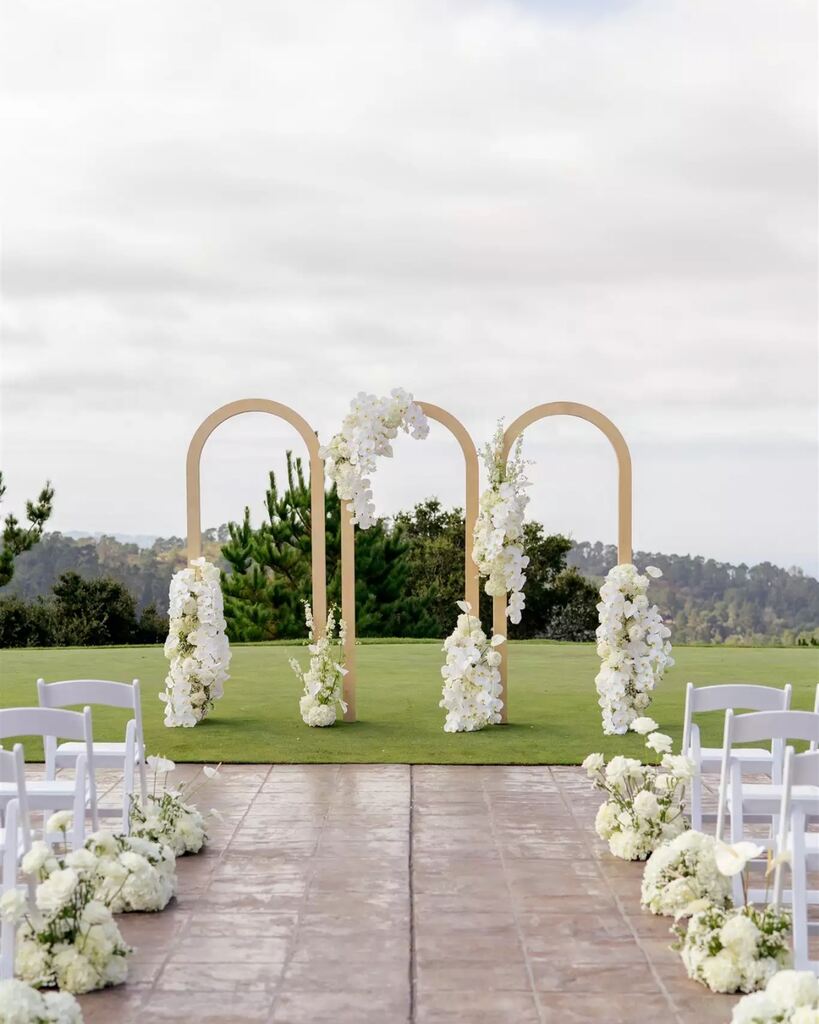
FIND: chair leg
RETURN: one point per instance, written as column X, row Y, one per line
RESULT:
column 7, row 928
column 696, row 803
column 78, row 831
column 799, row 883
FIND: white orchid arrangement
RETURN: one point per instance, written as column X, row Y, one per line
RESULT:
column 735, row 949
column 498, row 536
column 366, row 434
column 633, row 645
column 197, row 646
column 324, row 677
column 135, row 874
column 790, row 997
column 22, row 1004
column 644, row 807
column 681, row 873
column 69, row 940
column 472, row 681
column 168, row 816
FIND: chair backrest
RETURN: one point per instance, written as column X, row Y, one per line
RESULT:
column 13, row 770
column 800, row 770
column 771, row 725
column 88, row 691
column 815, row 745
column 804, row 768
column 746, row 696
column 67, row 725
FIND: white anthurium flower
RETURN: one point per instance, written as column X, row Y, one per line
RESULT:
column 731, row 858
column 160, row 765
column 593, row 763
column 465, row 606
column 653, row 572
column 497, row 640
column 211, row 772
column 783, row 857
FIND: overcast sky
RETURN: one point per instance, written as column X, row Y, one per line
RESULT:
column 492, row 204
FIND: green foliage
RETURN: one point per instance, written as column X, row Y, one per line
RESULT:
column 17, row 539
column 270, row 577
column 26, row 623
column 93, row 612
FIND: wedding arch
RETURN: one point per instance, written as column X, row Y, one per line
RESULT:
column 317, row 516
column 471, row 577
column 624, row 491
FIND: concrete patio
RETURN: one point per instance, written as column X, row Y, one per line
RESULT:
column 357, row 893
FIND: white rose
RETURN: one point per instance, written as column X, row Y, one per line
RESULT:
column 593, row 763
column 643, row 725
column 59, row 822
column 645, row 805
column 38, row 858
column 81, row 860
column 13, row 905
column 660, row 742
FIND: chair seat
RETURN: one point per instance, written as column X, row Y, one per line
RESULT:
column 759, row 798
column 104, row 753
column 749, row 757
column 41, row 793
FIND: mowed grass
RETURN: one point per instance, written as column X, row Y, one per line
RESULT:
column 554, row 717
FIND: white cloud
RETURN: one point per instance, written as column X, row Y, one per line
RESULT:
column 494, row 204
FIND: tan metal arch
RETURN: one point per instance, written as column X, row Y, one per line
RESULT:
column 194, row 500
column 471, row 578
column 624, row 489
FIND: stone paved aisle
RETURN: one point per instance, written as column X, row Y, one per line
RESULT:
column 351, row 894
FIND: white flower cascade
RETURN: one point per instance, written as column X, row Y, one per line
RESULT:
column 22, row 1004
column 790, row 997
column 498, row 537
column 135, row 874
column 472, row 682
column 681, row 873
column 323, row 678
column 366, row 433
column 632, row 642
column 168, row 816
column 197, row 646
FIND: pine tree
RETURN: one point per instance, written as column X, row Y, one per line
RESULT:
column 17, row 539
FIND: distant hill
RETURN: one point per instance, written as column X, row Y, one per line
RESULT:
column 704, row 600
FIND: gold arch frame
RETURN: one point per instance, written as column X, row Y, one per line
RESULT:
column 471, row 578
column 624, row 500
column 317, row 515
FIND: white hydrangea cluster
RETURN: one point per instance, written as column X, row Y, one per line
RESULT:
column 632, row 642
column 69, row 939
column 169, row 817
column 22, row 1004
column 735, row 950
column 134, row 874
column 790, row 997
column 323, row 678
column 498, row 537
column 680, row 873
column 197, row 645
column 472, row 682
column 366, row 433
column 645, row 803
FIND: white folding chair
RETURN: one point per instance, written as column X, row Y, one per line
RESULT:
column 76, row 795
column 745, row 696
column 127, row 756
column 800, row 798
column 815, row 745
column 15, row 840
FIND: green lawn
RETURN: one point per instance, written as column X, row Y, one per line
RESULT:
column 554, row 718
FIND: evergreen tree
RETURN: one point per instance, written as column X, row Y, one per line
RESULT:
column 17, row 539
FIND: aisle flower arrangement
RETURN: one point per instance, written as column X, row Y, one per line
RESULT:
column 644, row 807
column 323, row 678
column 498, row 550
column 197, row 646
column 736, row 949
column 366, row 434
column 134, row 874
column 790, row 997
column 633, row 645
column 681, row 873
column 168, row 816
column 22, row 1004
column 472, row 681
column 70, row 939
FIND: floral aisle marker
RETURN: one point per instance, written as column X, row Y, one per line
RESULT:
column 472, row 682
column 790, row 997
column 169, row 817
column 22, row 1004
column 633, row 645
column 135, row 874
column 324, row 676
column 366, row 433
column 644, row 807
column 197, row 645
column 498, row 550
column 70, row 939
column 682, row 873
column 736, row 949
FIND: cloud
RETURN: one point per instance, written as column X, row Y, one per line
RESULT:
column 494, row 203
